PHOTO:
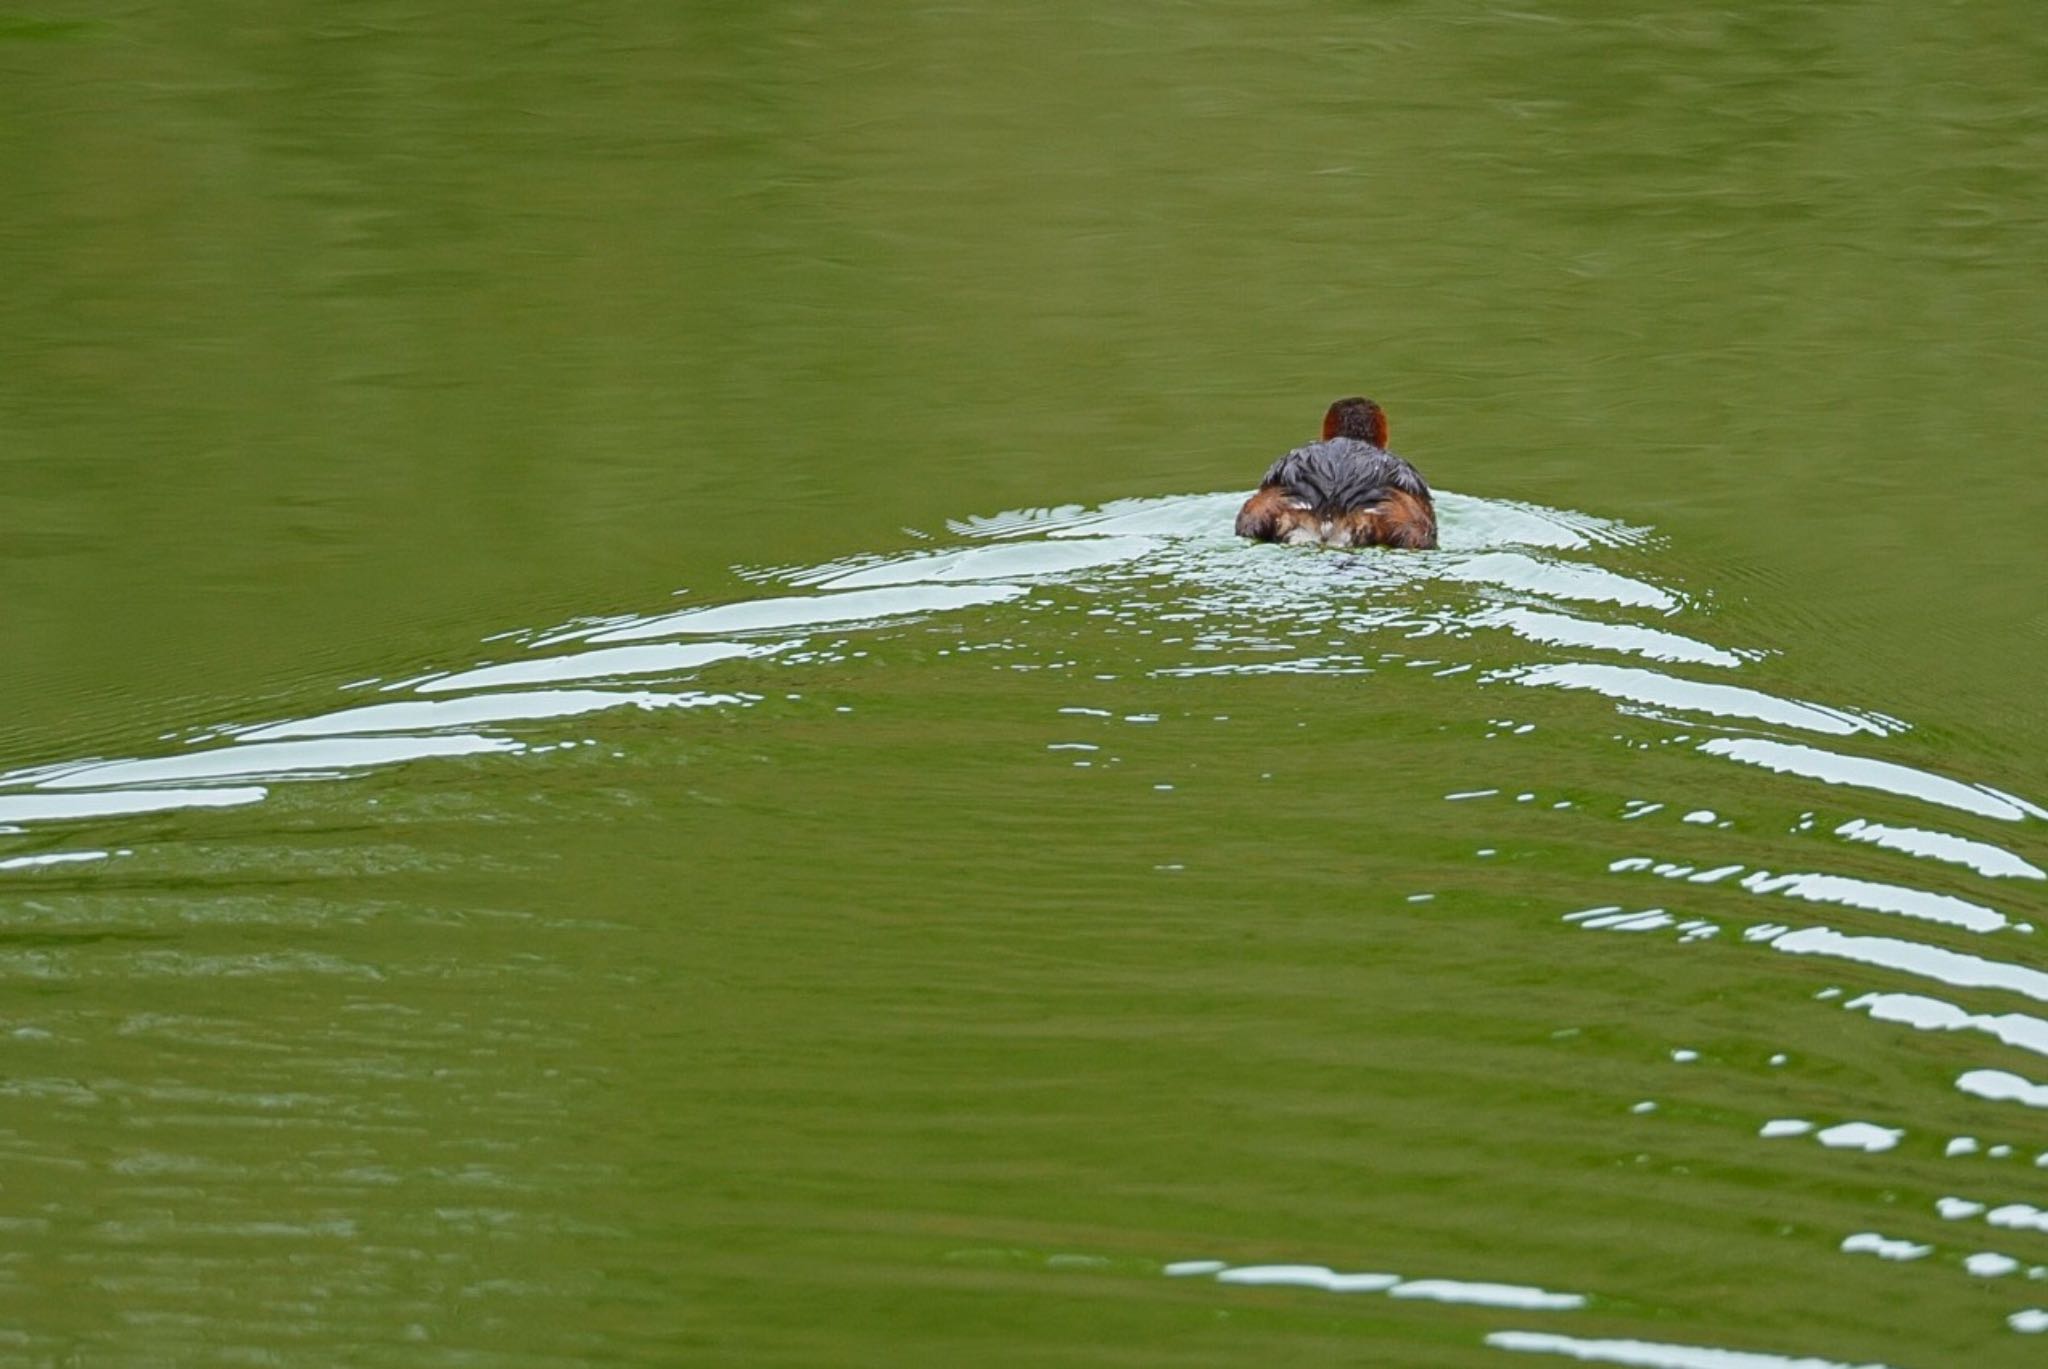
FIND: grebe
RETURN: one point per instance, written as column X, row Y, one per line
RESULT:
column 1347, row 490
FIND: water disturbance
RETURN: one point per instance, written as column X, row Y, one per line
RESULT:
column 631, row 731
column 1823, row 868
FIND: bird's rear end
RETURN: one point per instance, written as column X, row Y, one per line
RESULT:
column 1347, row 490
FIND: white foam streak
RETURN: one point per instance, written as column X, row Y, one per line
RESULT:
column 1884, row 1247
column 1467, row 522
column 1636, row 685
column 1830, row 767
column 1878, row 898
column 1558, row 629
column 604, row 664
column 1519, row 1296
column 813, row 610
column 2017, row 1217
column 1553, row 579
column 1864, row 1136
column 1912, row 957
column 1307, row 1276
column 1513, row 1295
column 1178, row 515
column 529, row 706
column 2001, row 1086
column 53, row 858
column 1981, row 856
column 1646, row 1354
column 1010, row 561
column 1932, row 1014
column 273, row 758
column 40, row 807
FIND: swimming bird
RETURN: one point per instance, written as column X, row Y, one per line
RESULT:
column 1347, row 490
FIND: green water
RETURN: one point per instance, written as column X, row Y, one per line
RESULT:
column 850, row 862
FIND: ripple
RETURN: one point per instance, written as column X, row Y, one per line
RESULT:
column 1306, row 1276
column 534, row 706
column 1487, row 1295
column 53, row 858
column 1864, row 1136
column 1031, row 560
column 258, row 760
column 806, row 611
column 1549, row 579
column 2002, row 1086
column 1864, row 772
column 1560, row 629
column 1884, row 1247
column 1933, row 1014
column 1480, row 1294
column 1638, row 686
column 1958, row 968
column 1154, row 592
column 609, row 663
column 1994, row 862
column 1656, row 1355
column 2018, row 1217
column 64, row 807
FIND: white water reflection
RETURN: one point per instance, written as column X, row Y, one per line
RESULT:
column 2018, row 1217
column 264, row 760
column 1638, row 686
column 1845, row 890
column 1884, row 1247
column 1306, row 1276
column 1563, row 630
column 1030, row 560
column 1933, row 1014
column 1868, row 1137
column 1512, row 1295
column 1506, row 548
column 1864, row 1136
column 70, row 807
column 2003, row 1086
column 1473, row 1294
column 1520, row 566
column 1468, row 522
column 1863, row 772
column 1549, row 579
column 811, row 611
column 1510, row 579
column 1994, row 862
column 609, row 663
column 53, row 858
column 1878, row 898
column 1657, row 1355
column 536, row 706
column 1955, row 968
column 1990, row 1264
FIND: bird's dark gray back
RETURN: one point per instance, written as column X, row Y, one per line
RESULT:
column 1344, row 474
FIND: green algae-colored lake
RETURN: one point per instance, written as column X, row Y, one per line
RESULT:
column 631, row 731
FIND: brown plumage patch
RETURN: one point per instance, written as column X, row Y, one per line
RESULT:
column 1397, row 520
column 1270, row 514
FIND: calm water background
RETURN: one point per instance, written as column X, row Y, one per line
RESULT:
column 915, row 978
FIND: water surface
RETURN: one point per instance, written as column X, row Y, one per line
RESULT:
column 632, row 731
